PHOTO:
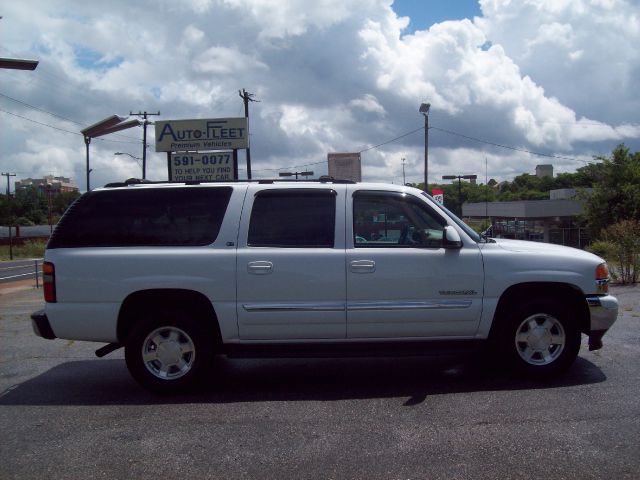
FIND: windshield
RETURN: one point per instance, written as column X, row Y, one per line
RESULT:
column 468, row 230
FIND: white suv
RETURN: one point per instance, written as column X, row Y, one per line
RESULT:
column 177, row 273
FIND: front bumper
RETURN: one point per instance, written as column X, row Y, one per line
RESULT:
column 603, row 311
column 41, row 325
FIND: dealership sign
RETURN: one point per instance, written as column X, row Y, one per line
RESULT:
column 204, row 167
column 438, row 195
column 202, row 134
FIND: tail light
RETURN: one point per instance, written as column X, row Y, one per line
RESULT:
column 49, row 282
column 602, row 278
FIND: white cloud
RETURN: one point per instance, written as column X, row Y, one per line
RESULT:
column 280, row 19
column 332, row 75
column 553, row 34
column 192, row 37
column 446, row 66
column 225, row 61
column 584, row 52
column 368, row 103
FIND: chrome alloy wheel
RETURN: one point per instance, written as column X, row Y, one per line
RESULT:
column 540, row 339
column 168, row 353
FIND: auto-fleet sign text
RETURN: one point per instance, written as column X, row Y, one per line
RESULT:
column 202, row 134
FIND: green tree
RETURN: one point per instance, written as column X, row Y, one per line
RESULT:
column 30, row 206
column 624, row 237
column 616, row 190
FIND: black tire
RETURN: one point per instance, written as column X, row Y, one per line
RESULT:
column 170, row 351
column 540, row 339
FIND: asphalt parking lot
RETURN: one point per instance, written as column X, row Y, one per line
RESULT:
column 66, row 414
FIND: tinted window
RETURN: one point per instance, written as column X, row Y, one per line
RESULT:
column 467, row 229
column 293, row 218
column 143, row 217
column 389, row 219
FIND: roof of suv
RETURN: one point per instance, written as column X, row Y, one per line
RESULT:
column 137, row 181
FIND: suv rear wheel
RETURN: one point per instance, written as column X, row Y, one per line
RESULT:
column 169, row 352
column 541, row 339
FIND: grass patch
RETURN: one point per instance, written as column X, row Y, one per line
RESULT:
column 30, row 249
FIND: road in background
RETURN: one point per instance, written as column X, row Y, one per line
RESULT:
column 18, row 270
column 66, row 414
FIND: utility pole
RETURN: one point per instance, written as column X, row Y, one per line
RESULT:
column 424, row 110
column 9, row 219
column 246, row 98
column 459, row 177
column 144, row 115
column 87, row 142
column 404, row 181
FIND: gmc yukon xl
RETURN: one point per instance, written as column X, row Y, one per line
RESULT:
column 179, row 273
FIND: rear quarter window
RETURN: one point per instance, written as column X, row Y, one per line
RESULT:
column 143, row 217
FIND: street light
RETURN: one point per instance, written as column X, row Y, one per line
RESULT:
column 291, row 174
column 459, row 177
column 424, row 110
column 111, row 124
column 18, row 64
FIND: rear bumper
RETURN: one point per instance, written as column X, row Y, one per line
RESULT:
column 41, row 325
column 603, row 311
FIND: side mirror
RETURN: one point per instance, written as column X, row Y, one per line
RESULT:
column 451, row 238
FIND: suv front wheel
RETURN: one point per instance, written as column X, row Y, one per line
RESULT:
column 541, row 339
column 169, row 352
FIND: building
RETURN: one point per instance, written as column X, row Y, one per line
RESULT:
column 55, row 185
column 544, row 171
column 551, row 221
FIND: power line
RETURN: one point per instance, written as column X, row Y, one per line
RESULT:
column 475, row 140
column 40, row 123
column 392, row 140
column 61, row 129
column 548, row 155
column 442, row 130
column 50, row 113
column 38, row 109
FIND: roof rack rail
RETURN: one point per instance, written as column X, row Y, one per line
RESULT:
column 138, row 181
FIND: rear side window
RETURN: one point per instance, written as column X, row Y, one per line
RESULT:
column 293, row 218
column 143, row 217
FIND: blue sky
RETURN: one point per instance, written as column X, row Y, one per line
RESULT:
column 424, row 13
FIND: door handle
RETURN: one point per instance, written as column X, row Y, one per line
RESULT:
column 260, row 267
column 363, row 266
